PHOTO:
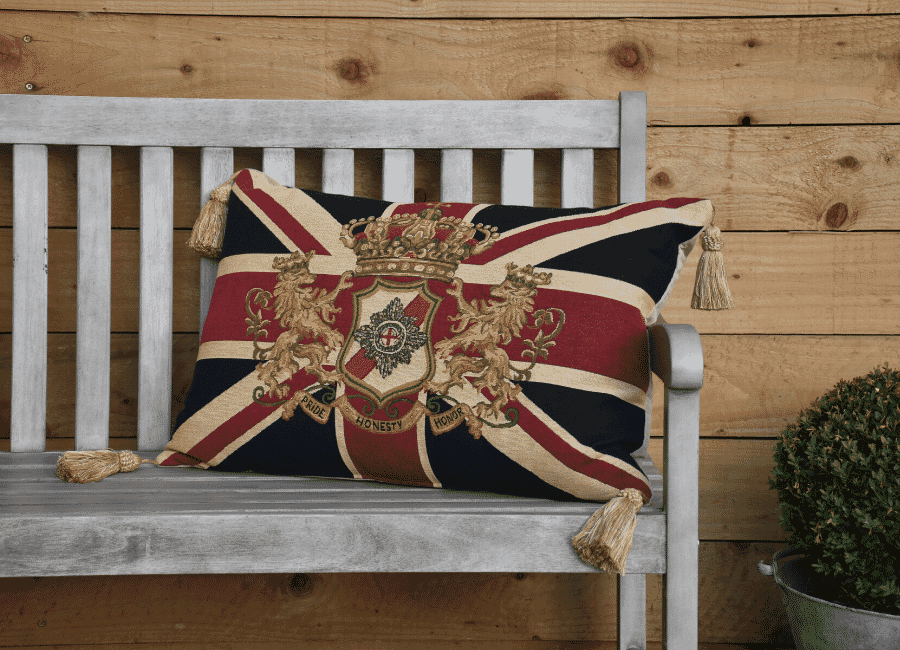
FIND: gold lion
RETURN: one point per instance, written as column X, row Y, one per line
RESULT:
column 483, row 326
column 307, row 313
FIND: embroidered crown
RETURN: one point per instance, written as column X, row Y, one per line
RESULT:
column 426, row 243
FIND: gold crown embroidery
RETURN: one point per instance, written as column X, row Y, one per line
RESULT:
column 430, row 244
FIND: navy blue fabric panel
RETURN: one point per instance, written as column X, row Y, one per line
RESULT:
column 296, row 447
column 602, row 422
column 244, row 233
column 212, row 377
column 460, row 462
column 345, row 208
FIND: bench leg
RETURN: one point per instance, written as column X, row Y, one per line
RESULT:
column 632, row 611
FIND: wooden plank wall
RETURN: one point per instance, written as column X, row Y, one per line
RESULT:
column 784, row 113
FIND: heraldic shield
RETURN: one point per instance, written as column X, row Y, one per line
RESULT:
column 388, row 352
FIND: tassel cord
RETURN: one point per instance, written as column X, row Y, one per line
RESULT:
column 93, row 466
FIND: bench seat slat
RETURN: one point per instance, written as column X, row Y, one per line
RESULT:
column 94, row 297
column 28, row 409
column 156, row 307
column 360, row 124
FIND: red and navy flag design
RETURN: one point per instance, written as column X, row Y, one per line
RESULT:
column 526, row 373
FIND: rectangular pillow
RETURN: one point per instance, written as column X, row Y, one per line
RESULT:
column 466, row 346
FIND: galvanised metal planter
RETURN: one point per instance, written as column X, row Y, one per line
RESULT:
column 818, row 624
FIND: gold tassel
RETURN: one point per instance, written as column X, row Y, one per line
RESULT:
column 606, row 538
column 91, row 466
column 209, row 229
column 711, row 289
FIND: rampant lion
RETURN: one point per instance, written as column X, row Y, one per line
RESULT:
column 486, row 324
column 307, row 313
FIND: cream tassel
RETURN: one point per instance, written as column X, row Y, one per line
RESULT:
column 91, row 466
column 209, row 229
column 711, row 289
column 606, row 538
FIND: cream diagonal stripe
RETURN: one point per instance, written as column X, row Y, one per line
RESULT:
column 423, row 451
column 262, row 263
column 567, row 437
column 515, row 443
column 698, row 214
column 311, row 216
column 542, row 372
column 341, row 439
column 274, row 416
column 588, row 381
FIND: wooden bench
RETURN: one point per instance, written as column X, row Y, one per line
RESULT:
column 193, row 521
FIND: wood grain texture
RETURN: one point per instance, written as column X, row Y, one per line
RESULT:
column 789, row 178
column 155, row 302
column 28, row 260
column 94, row 297
column 464, row 8
column 799, row 283
column 266, row 611
column 317, row 123
column 801, row 70
column 755, row 385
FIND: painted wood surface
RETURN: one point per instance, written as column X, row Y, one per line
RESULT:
column 842, row 178
column 399, row 176
column 155, row 311
column 457, row 175
column 517, row 177
column 338, row 171
column 29, row 297
column 216, row 166
column 465, row 9
column 695, row 72
column 94, row 297
column 406, row 610
column 324, row 123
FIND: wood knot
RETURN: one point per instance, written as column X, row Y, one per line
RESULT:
column 187, row 68
column 630, row 56
column 836, row 215
column 354, row 70
column 751, row 42
column 300, row 585
column 849, row 162
column 662, row 179
column 746, row 120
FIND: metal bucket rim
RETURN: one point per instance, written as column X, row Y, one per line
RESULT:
column 796, row 551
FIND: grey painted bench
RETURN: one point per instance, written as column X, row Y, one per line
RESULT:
column 192, row 521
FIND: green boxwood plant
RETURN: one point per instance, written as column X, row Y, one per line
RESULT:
column 837, row 473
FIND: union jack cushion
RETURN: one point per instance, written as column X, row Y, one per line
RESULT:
column 465, row 346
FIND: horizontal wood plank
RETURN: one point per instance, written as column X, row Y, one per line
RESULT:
column 464, row 9
column 800, row 283
column 407, row 610
column 755, row 385
column 318, row 123
column 797, row 70
column 783, row 283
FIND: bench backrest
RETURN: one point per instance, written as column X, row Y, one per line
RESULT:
column 156, row 125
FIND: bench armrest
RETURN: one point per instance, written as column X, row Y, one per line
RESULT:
column 676, row 355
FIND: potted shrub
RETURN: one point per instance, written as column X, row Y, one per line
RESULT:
column 837, row 474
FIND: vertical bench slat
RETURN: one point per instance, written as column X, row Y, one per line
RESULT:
column 155, row 355
column 517, row 177
column 278, row 164
column 633, row 147
column 92, row 340
column 456, row 175
column 216, row 166
column 28, row 410
column 577, row 178
column 398, row 175
column 337, row 171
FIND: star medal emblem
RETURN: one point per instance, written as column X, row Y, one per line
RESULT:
column 390, row 338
